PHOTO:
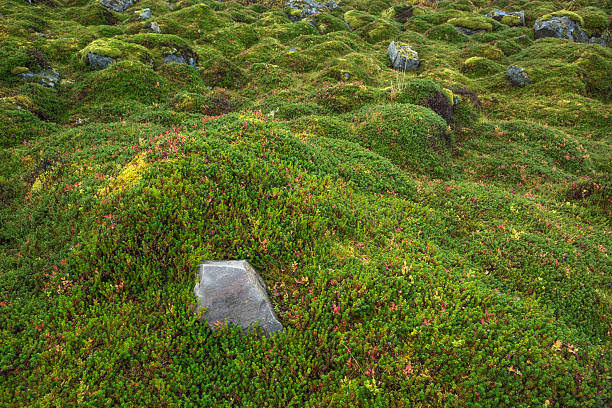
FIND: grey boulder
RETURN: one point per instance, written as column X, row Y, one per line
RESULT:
column 145, row 14
column 117, row 5
column 233, row 292
column 153, row 26
column 559, row 27
column 517, row 76
column 98, row 62
column 48, row 77
column 499, row 15
column 402, row 56
column 469, row 31
column 178, row 58
column 307, row 8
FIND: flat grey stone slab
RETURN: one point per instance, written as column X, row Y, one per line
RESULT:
column 233, row 292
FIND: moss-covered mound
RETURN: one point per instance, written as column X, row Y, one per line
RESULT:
column 411, row 136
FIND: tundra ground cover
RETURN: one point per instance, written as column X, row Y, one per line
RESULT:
column 440, row 243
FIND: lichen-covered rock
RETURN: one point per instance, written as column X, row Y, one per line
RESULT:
column 517, row 76
column 233, row 292
column 564, row 27
column 603, row 40
column 98, row 62
column 402, row 56
column 117, row 5
column 153, row 26
column 301, row 9
column 174, row 57
column 145, row 14
column 469, row 31
column 48, row 77
column 511, row 18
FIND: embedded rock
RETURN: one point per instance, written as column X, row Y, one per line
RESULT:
column 233, row 292
column 469, row 31
column 602, row 40
column 48, row 77
column 180, row 59
column 145, row 14
column 402, row 56
column 401, row 14
column 98, row 62
column 117, row 5
column 153, row 26
column 559, row 27
column 517, row 76
column 301, row 9
column 508, row 17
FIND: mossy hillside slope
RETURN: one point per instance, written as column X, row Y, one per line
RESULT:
column 429, row 238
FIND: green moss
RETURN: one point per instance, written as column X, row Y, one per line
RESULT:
column 19, row 70
column 182, row 76
column 419, row 24
column 352, row 67
column 595, row 20
column 357, row 19
column 571, row 66
column 221, row 72
column 411, row 136
column 47, row 103
column 233, row 40
column 13, row 55
column 511, row 20
column 508, row 47
column 18, row 124
column 597, row 64
column 392, row 255
column 367, row 170
column 400, row 13
column 473, row 23
column 285, row 106
column 370, row 6
column 295, row 60
column 446, row 32
column 264, row 51
column 427, row 93
column 124, row 80
column 31, row 21
column 161, row 45
column 480, row 66
column 524, row 40
column 380, row 30
column 347, row 96
column 266, row 77
column 272, row 18
column 484, row 50
column 564, row 13
column 287, row 32
column 417, row 91
column 324, row 51
column 328, row 23
column 191, row 22
column 118, row 50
